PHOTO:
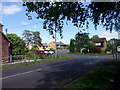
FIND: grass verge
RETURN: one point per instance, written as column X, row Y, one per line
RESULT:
column 89, row 53
column 99, row 78
column 36, row 62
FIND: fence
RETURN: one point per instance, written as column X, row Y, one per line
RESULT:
column 26, row 58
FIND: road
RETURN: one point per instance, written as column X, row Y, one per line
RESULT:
column 51, row 75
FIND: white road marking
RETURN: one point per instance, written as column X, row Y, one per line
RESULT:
column 20, row 74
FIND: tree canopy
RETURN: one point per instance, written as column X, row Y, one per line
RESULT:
column 19, row 45
column 95, row 36
column 56, row 14
column 72, row 45
column 32, row 38
column 81, row 41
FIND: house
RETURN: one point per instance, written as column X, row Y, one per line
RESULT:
column 100, row 42
column 44, row 46
column 5, row 45
column 57, row 45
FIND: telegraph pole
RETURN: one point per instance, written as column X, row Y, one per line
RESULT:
column 55, row 40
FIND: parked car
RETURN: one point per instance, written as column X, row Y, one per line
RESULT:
column 46, row 51
column 49, row 51
column 40, row 51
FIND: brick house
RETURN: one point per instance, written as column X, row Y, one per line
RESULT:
column 5, row 45
column 57, row 45
column 100, row 42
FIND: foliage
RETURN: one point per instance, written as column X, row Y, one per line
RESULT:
column 68, row 46
column 85, row 50
column 19, row 45
column 72, row 45
column 32, row 38
column 95, row 36
column 109, row 46
column 81, row 41
column 27, row 35
column 36, row 39
column 91, row 44
column 57, row 13
column 95, row 49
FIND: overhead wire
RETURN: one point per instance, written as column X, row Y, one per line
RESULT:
column 25, row 25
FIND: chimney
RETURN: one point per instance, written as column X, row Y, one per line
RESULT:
column 1, row 27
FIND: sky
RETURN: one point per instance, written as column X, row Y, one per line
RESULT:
column 14, row 19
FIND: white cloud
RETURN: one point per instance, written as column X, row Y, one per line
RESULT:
column 35, row 26
column 12, row 1
column 109, row 35
column 12, row 9
column 24, row 23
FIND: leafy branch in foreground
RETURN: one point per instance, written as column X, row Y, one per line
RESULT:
column 56, row 14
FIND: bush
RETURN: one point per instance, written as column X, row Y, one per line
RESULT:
column 96, row 49
column 85, row 50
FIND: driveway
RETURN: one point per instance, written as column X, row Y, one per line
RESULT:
column 51, row 75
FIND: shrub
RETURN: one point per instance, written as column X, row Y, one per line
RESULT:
column 85, row 50
column 96, row 49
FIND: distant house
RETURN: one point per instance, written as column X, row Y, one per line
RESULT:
column 5, row 45
column 100, row 42
column 44, row 46
column 57, row 45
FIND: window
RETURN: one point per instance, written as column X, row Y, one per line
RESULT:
column 98, row 44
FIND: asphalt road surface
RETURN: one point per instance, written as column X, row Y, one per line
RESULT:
column 51, row 75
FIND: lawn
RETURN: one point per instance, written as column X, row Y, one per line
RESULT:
column 89, row 53
column 38, row 62
column 99, row 78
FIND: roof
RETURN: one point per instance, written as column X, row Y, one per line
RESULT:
column 1, row 24
column 98, row 40
column 59, row 43
column 45, row 44
column 6, row 37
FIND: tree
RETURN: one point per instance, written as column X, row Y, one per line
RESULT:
column 109, row 46
column 27, row 35
column 81, row 41
column 19, row 44
column 72, row 45
column 114, row 46
column 32, row 38
column 36, row 39
column 95, row 36
column 56, row 13
column 91, row 44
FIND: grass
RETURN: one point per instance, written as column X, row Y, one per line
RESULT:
column 99, row 78
column 89, row 53
column 37, row 62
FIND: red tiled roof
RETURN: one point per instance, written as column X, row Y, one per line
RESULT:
column 59, row 43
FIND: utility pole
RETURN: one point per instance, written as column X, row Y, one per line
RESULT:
column 55, row 40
